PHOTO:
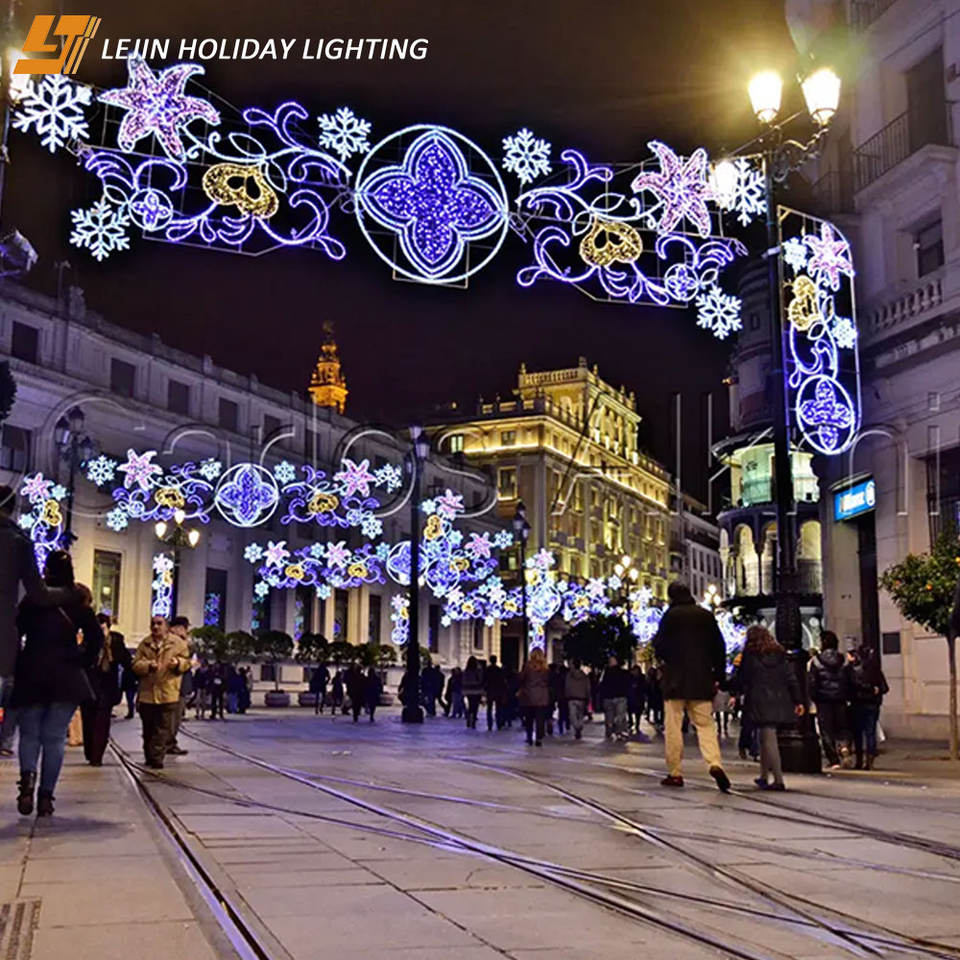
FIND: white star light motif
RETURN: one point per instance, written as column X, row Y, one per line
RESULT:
column 830, row 256
column 681, row 186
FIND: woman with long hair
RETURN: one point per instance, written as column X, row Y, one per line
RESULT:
column 535, row 695
column 62, row 644
column 772, row 698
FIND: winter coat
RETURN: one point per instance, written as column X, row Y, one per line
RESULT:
column 770, row 689
column 319, row 679
column 472, row 682
column 829, row 678
column 163, row 684
column 868, row 685
column 691, row 651
column 614, row 684
column 18, row 565
column 576, row 686
column 534, row 687
column 372, row 687
column 53, row 667
column 356, row 685
column 494, row 682
column 106, row 683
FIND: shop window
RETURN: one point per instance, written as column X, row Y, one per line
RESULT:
column 507, row 482
column 106, row 582
column 508, row 438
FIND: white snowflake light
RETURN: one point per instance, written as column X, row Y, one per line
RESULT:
column 53, row 106
column 795, row 254
column 718, row 312
column 101, row 470
column 58, row 492
column 210, row 469
column 344, row 133
column 746, row 197
column 845, row 333
column 526, row 155
column 101, row 229
column 117, row 519
column 252, row 552
column 261, row 589
column 371, row 527
column 388, row 476
column 285, row 472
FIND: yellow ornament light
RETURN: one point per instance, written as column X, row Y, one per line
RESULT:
column 433, row 528
column 803, row 311
column 226, row 184
column 169, row 497
column 621, row 243
column 323, row 502
column 51, row 513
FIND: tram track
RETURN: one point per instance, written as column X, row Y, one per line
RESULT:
column 602, row 889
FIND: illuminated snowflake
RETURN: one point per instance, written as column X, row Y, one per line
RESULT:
column 58, row 492
column 338, row 555
column 101, row 470
column 261, row 589
column 252, row 552
column 324, row 591
column 526, row 155
column 388, row 476
column 748, row 196
column 371, row 527
column 845, row 333
column 344, row 133
column 117, row 519
column 795, row 254
column 210, row 469
column 139, row 469
column 285, row 472
column 26, row 520
column 101, row 229
column 382, row 551
column 718, row 312
column 503, row 539
column 317, row 550
column 54, row 106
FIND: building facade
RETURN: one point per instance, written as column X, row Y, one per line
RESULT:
column 889, row 177
column 566, row 446
column 695, row 549
column 136, row 392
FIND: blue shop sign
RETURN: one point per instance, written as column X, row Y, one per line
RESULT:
column 860, row 498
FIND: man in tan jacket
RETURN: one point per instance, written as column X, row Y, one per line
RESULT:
column 160, row 662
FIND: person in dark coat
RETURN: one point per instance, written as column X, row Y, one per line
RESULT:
column 472, row 690
column 690, row 648
column 495, row 688
column 104, row 678
column 18, row 565
column 129, row 684
column 655, row 698
column 454, row 705
column 336, row 692
column 772, row 698
column 868, row 686
column 747, row 741
column 356, row 690
column 51, row 680
column 535, row 695
column 244, row 704
column 830, row 691
column 318, row 686
column 372, row 688
column 201, row 689
column 614, row 693
column 637, row 700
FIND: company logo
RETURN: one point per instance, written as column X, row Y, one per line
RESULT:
column 76, row 31
column 855, row 500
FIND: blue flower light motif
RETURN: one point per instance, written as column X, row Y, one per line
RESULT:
column 433, row 203
column 246, row 495
column 828, row 412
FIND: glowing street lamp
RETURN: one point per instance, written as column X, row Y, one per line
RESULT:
column 766, row 91
column 177, row 537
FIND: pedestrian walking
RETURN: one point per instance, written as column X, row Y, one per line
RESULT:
column 535, row 695
column 201, row 690
column 747, row 742
column 180, row 628
column 336, row 692
column 655, row 699
column 637, row 698
column 104, row 677
column 690, row 647
column 772, row 698
column 234, row 689
column 830, row 692
column 455, row 693
column 130, row 684
column 472, row 690
column 576, row 690
column 318, row 687
column 495, row 689
column 160, row 662
column 868, row 687
column 217, row 684
column 18, row 565
column 373, row 687
column 356, row 690
column 614, row 691
column 62, row 643
column 244, row 704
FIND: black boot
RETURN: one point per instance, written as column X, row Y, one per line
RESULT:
column 28, row 780
column 44, row 803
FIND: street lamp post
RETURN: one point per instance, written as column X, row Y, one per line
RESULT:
column 628, row 575
column 412, row 711
column 177, row 537
column 780, row 157
column 75, row 448
column 521, row 529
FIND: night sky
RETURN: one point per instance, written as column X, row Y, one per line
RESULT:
column 603, row 76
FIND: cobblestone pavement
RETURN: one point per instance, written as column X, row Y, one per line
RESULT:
column 334, row 840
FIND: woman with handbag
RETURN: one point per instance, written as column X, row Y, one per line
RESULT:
column 104, row 677
column 62, row 644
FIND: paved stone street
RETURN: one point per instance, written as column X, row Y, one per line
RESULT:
column 437, row 842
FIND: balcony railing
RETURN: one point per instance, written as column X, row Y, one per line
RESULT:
column 864, row 12
column 925, row 297
column 899, row 139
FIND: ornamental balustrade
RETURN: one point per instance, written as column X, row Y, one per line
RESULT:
column 924, row 298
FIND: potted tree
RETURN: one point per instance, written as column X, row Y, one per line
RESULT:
column 923, row 588
column 593, row 640
column 211, row 643
column 312, row 650
column 273, row 647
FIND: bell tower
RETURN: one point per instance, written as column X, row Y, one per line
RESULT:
column 328, row 388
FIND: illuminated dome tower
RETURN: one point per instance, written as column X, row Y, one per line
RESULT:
column 328, row 388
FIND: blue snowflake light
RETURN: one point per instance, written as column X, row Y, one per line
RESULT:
column 210, row 469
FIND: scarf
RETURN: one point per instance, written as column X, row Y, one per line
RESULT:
column 105, row 660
